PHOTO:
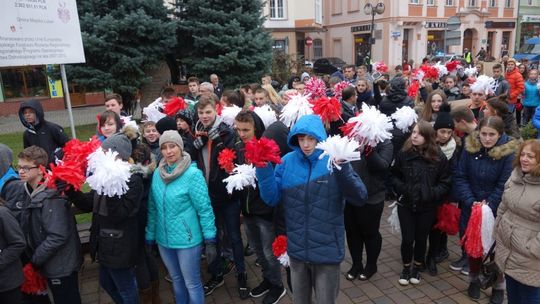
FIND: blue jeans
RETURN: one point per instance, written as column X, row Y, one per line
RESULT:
column 519, row 293
column 228, row 219
column 120, row 284
column 261, row 235
column 185, row 271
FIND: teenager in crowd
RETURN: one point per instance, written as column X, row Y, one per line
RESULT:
column 517, row 231
column 396, row 98
column 113, row 102
column 364, row 93
column 531, row 96
column 192, row 97
column 515, row 82
column 451, row 88
column 153, row 111
column 180, row 218
column 432, row 106
column 315, row 235
column 421, row 177
column 184, row 124
column 109, row 123
column 482, row 171
column 150, row 137
column 12, row 244
column 497, row 106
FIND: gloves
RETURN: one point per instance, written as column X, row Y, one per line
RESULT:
column 210, row 252
column 213, row 134
column 199, row 142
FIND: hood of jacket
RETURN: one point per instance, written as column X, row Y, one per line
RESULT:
column 309, row 125
column 504, row 146
column 397, row 91
column 6, row 159
column 145, row 170
column 259, row 125
column 36, row 106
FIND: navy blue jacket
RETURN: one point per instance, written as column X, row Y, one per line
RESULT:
column 313, row 198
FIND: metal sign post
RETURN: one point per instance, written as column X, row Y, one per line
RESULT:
column 68, row 100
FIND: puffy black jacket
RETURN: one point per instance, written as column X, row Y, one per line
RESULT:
column 114, row 233
column 421, row 184
column 46, row 220
column 44, row 134
column 12, row 244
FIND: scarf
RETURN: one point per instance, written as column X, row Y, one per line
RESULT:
column 449, row 148
column 170, row 173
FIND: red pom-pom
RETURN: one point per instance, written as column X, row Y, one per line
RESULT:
column 347, row 128
column 380, row 67
column 77, row 151
column 448, row 219
column 226, row 159
column 452, row 65
column 259, row 152
column 329, row 109
column 279, row 246
column 339, row 87
column 174, row 105
column 430, row 72
column 316, row 87
column 413, row 89
column 34, row 283
column 69, row 172
column 472, row 239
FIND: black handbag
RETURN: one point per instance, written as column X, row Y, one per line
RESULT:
column 488, row 271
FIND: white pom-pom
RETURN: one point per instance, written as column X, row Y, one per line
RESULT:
column 470, row 71
column 488, row 223
column 267, row 115
column 107, row 174
column 419, row 75
column 297, row 107
column 284, row 259
column 228, row 114
column 152, row 112
column 442, row 69
column 393, row 219
column 241, row 176
column 371, row 126
column 484, row 84
column 404, row 117
column 129, row 123
column 339, row 150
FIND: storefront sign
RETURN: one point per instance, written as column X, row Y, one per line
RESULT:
column 441, row 25
column 500, row 25
column 36, row 32
column 530, row 18
column 55, row 87
column 361, row 28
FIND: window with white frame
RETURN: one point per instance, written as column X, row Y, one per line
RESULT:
column 472, row 3
column 492, row 3
column 318, row 11
column 508, row 3
column 430, row 2
column 415, row 2
column 449, row 3
column 277, row 9
column 529, row 2
column 317, row 48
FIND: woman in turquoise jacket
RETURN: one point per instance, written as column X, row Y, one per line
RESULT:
column 180, row 218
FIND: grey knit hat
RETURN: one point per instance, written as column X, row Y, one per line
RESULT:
column 171, row 136
column 120, row 143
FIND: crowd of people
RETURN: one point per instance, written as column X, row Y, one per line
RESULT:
column 177, row 206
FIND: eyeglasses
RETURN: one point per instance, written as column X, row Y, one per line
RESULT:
column 26, row 169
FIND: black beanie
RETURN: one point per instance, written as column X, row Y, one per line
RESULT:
column 444, row 119
column 166, row 123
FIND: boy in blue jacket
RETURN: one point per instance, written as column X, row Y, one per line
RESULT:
column 313, row 200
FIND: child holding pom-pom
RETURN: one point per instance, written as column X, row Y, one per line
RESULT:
column 313, row 202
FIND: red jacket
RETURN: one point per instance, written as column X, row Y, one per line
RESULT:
column 517, row 85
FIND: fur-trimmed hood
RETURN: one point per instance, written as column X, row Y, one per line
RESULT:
column 505, row 145
column 145, row 170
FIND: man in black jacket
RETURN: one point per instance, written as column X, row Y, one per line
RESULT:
column 39, row 132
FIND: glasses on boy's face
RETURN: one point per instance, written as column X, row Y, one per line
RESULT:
column 26, row 169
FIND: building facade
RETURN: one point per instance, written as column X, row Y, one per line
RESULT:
column 406, row 30
column 528, row 21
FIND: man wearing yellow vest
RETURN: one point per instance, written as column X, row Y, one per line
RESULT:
column 467, row 56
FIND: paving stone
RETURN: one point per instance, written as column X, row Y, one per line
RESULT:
column 383, row 300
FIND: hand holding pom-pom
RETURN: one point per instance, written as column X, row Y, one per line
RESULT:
column 242, row 176
column 226, row 159
column 340, row 150
column 68, row 173
column 34, row 283
column 279, row 248
column 261, row 151
column 328, row 109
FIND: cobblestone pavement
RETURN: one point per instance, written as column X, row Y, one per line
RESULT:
column 81, row 116
column 448, row 287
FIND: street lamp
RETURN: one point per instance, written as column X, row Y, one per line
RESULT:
column 369, row 9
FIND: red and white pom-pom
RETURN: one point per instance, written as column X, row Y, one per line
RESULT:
column 380, row 67
column 417, row 75
column 472, row 239
column 413, row 89
column 430, row 72
column 340, row 150
column 370, row 127
column 404, row 118
column 241, row 176
column 297, row 107
column 261, row 151
column 78, row 151
column 69, row 172
column 470, row 72
column 228, row 114
column 107, row 174
column 34, row 283
column 328, row 109
column 484, row 84
column 443, row 70
column 267, row 115
column 339, row 87
column 174, row 105
column 315, row 87
column 486, row 230
column 279, row 248
column 453, row 66
column 393, row 218
column 448, row 218
column 226, row 159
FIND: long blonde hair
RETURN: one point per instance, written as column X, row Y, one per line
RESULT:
column 272, row 94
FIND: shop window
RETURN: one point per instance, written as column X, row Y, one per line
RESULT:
column 277, row 9
column 492, row 3
column 449, row 3
column 317, row 48
column 25, row 82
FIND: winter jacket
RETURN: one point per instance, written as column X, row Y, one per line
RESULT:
column 114, row 232
column 44, row 134
column 49, row 227
column 531, row 96
column 313, row 199
column 373, row 170
column 216, row 186
column 481, row 173
column 517, row 229
column 365, row 97
column 146, row 172
column 536, row 121
column 516, row 83
column 396, row 99
column 452, row 94
column 501, row 86
column 510, row 126
column 347, row 111
column 421, row 184
column 154, row 147
column 12, row 245
column 179, row 212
